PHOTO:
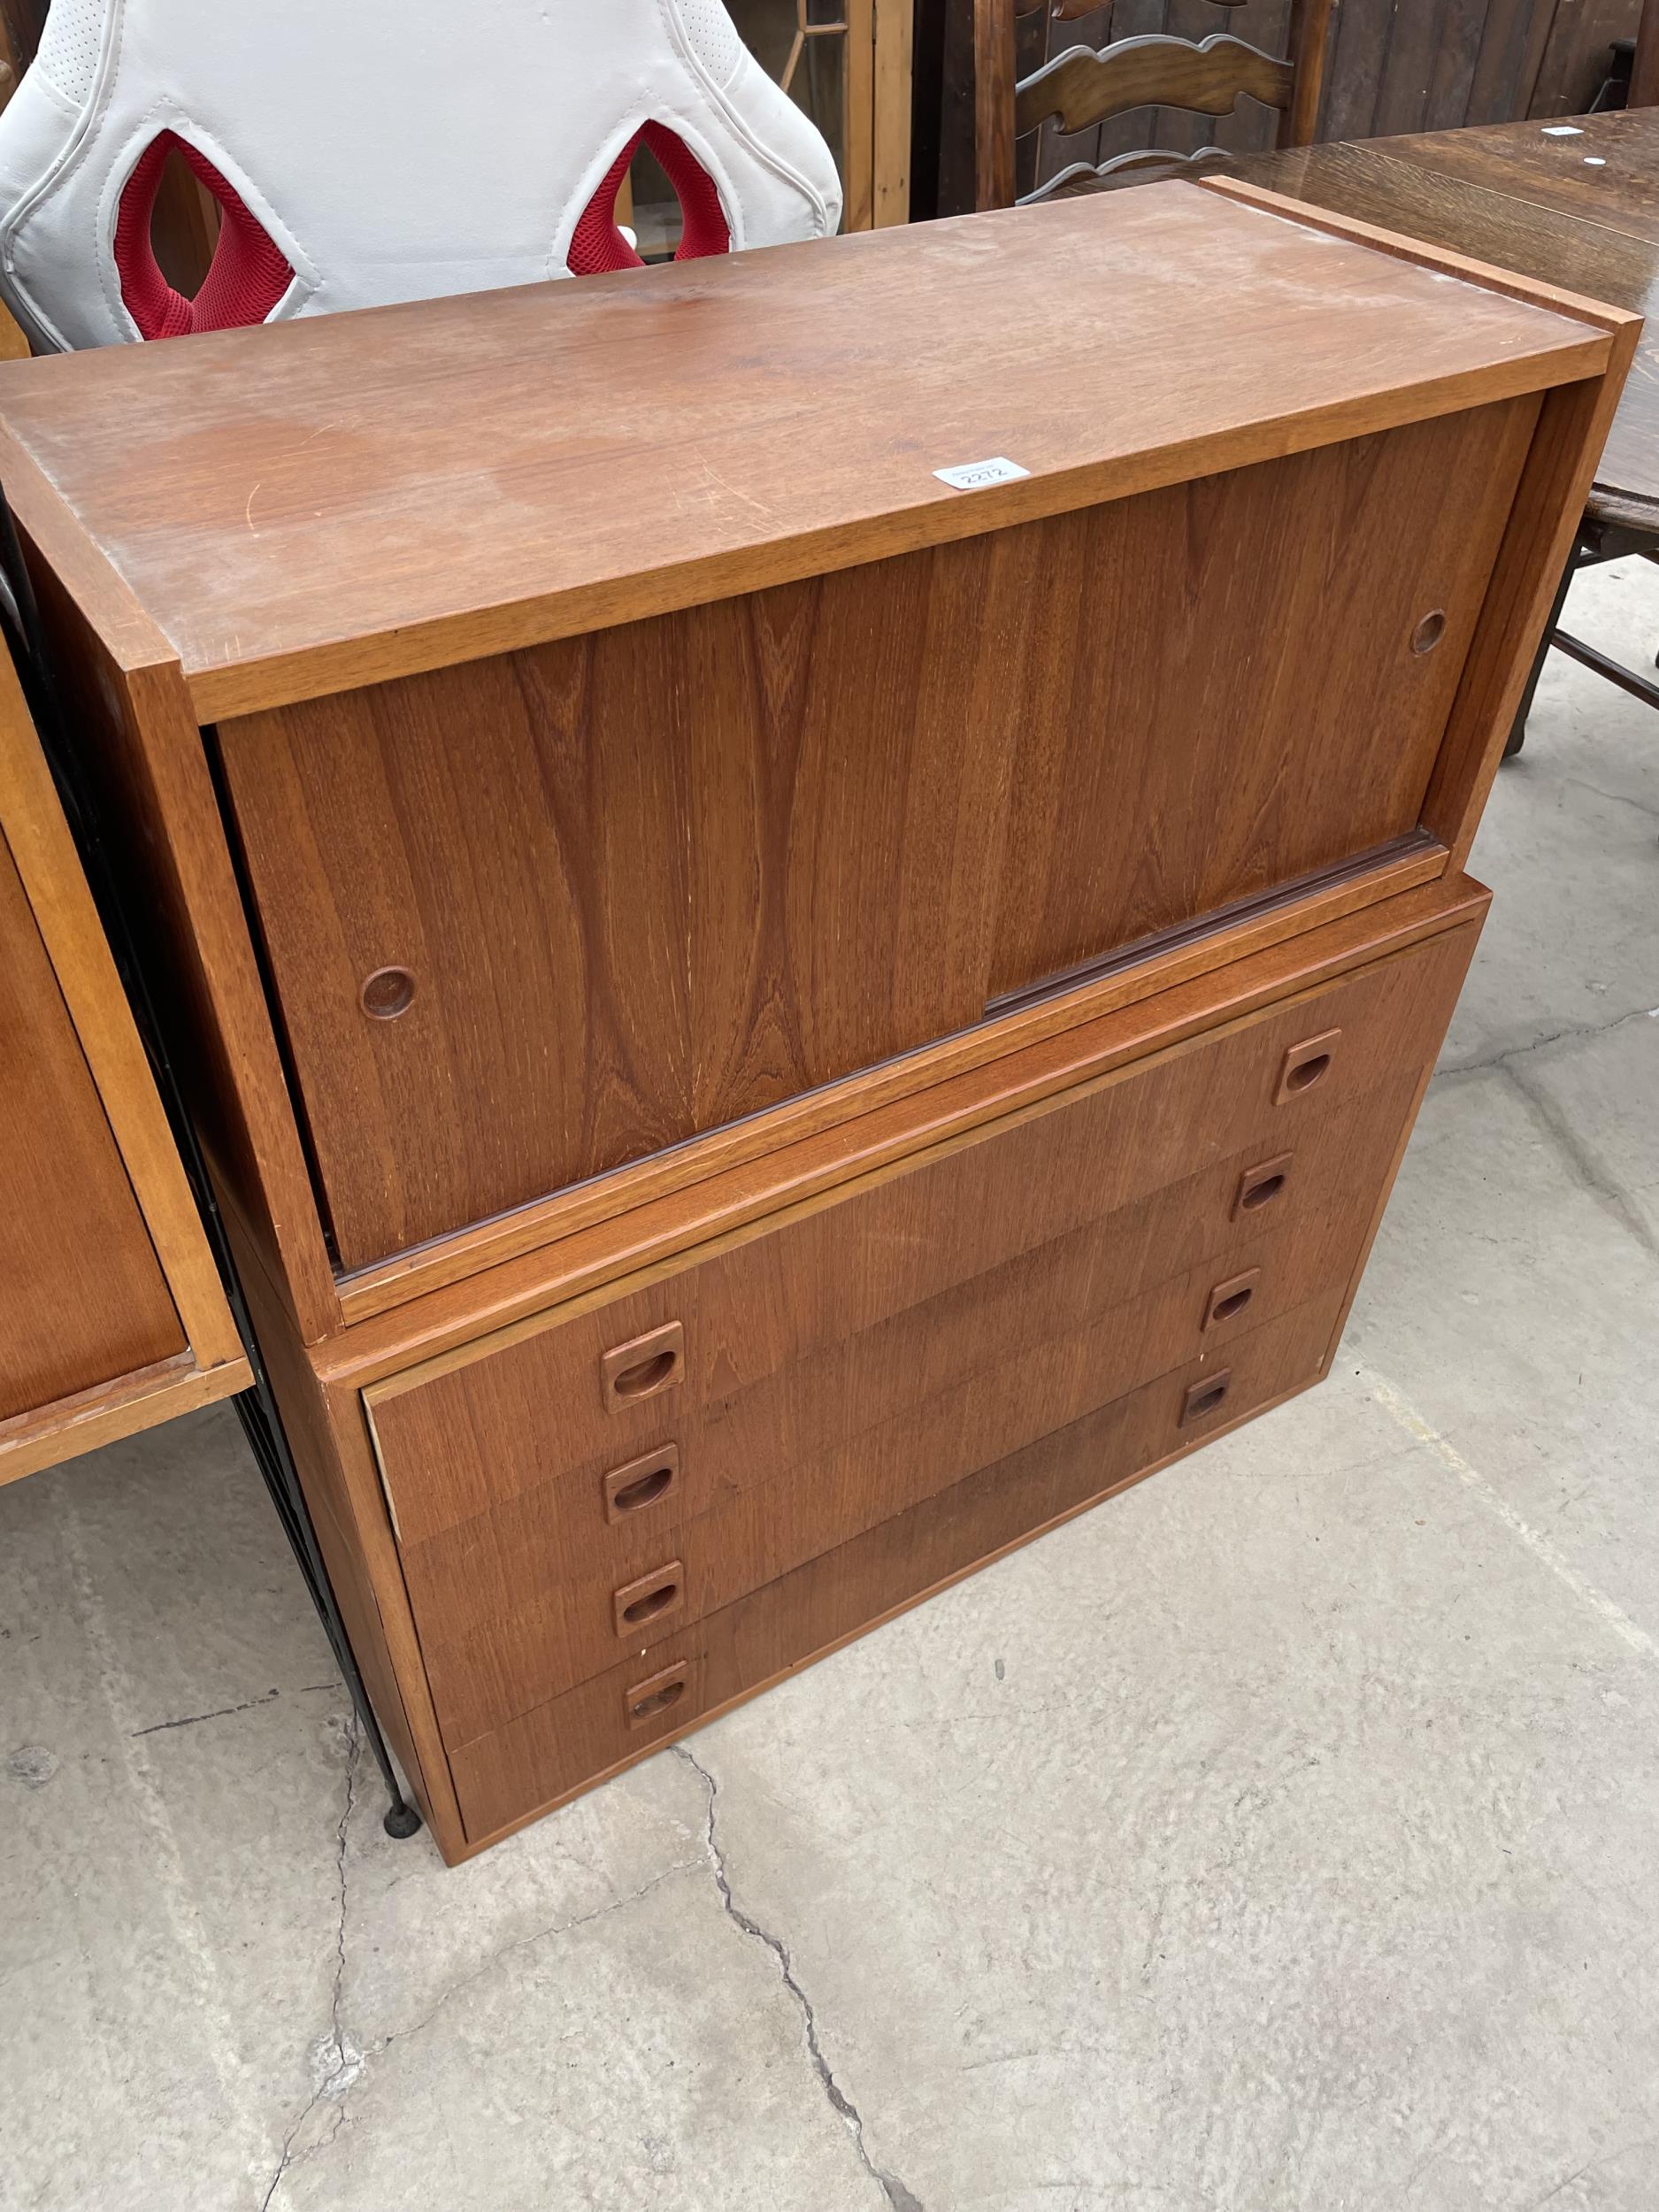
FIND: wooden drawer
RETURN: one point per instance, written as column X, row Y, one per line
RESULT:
column 893, row 1385
column 517, row 1410
column 635, row 1707
column 554, row 1585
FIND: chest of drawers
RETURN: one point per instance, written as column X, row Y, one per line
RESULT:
column 768, row 1026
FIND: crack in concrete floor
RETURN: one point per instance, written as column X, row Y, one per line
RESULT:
column 1585, row 1170
column 898, row 2197
column 351, row 2065
column 344, row 2067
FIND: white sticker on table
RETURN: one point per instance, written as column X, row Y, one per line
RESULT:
column 1563, row 130
column 973, row 476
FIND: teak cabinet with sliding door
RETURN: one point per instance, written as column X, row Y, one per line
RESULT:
column 769, row 1024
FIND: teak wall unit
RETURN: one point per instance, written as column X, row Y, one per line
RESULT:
column 112, row 1316
column 768, row 1027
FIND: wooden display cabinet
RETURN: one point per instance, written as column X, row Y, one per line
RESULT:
column 767, row 1024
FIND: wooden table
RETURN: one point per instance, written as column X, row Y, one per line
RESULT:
column 1574, row 201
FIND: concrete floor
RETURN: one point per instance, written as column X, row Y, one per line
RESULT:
column 1282, row 1837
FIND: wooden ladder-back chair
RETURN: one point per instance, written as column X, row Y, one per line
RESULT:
column 1081, row 88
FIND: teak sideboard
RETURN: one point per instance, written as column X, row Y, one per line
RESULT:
column 768, row 1026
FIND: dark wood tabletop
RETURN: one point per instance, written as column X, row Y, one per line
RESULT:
column 1573, row 200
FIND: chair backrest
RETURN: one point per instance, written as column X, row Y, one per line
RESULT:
column 1081, row 88
column 363, row 151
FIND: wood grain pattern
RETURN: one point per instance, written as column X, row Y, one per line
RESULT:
column 1248, row 192
column 994, row 92
column 85, row 1421
column 1574, row 60
column 646, row 882
column 1644, row 75
column 812, row 1275
column 1572, row 429
column 1165, row 89
column 82, row 1297
column 858, row 211
column 49, row 868
column 1309, row 46
column 595, row 1237
column 111, row 1313
column 1143, row 164
column 869, row 805
column 574, row 1740
column 1199, row 650
column 1307, row 1017
column 305, row 507
column 1081, row 88
column 895, row 54
column 515, row 1605
column 1579, row 213
column 137, row 738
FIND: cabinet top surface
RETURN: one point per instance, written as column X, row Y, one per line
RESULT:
column 294, row 509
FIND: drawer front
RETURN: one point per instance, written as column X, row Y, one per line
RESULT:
column 642, row 1702
column 571, row 1576
column 886, row 1349
column 539, row 1402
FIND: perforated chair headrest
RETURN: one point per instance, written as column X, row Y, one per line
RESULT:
column 371, row 151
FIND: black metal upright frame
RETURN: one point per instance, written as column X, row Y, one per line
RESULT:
column 255, row 1407
column 1596, row 543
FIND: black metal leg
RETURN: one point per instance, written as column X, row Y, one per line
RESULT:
column 263, row 1427
column 257, row 1407
column 1518, row 728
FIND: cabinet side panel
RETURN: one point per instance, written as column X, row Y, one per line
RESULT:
column 133, row 731
column 325, row 1432
column 82, row 1298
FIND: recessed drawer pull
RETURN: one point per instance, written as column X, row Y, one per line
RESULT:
column 647, row 1701
column 1206, row 1396
column 641, row 1482
column 387, row 994
column 1261, row 1185
column 1306, row 1065
column 649, row 1598
column 1227, row 1300
column 644, row 1367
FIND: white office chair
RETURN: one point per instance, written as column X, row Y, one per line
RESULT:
column 371, row 150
